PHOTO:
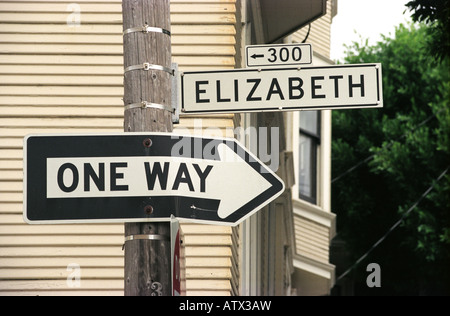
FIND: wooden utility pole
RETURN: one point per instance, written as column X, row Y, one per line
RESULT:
column 147, row 99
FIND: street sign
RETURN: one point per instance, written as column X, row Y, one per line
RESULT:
column 134, row 177
column 282, row 89
column 278, row 55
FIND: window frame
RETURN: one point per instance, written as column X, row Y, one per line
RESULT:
column 315, row 139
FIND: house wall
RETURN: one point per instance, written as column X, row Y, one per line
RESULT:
column 320, row 33
column 315, row 224
column 61, row 71
column 285, row 246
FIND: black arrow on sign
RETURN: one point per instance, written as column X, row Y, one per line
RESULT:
column 254, row 56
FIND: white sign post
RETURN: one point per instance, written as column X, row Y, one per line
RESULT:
column 282, row 89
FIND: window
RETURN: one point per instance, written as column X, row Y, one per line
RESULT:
column 308, row 146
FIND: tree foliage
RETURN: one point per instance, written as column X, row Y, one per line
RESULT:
column 436, row 14
column 400, row 150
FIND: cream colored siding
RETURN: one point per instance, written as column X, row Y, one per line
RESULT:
column 320, row 34
column 56, row 78
column 314, row 225
column 208, row 259
column 311, row 239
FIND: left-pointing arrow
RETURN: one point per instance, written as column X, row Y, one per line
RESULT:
column 255, row 56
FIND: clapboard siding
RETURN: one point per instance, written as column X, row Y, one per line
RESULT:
column 208, row 252
column 314, row 225
column 60, row 78
column 311, row 239
column 320, row 33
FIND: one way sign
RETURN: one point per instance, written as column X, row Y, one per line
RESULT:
column 143, row 177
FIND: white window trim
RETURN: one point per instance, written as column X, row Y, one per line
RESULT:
column 324, row 270
column 323, row 154
column 321, row 212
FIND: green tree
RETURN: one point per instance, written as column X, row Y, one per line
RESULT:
column 394, row 155
column 436, row 14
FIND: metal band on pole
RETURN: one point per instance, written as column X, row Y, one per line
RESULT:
column 147, row 237
column 148, row 66
column 147, row 29
column 146, row 105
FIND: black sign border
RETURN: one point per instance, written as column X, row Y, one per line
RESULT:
column 40, row 210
